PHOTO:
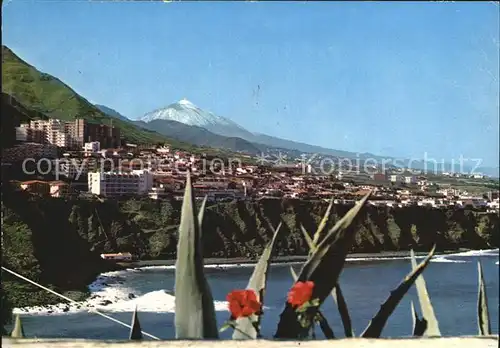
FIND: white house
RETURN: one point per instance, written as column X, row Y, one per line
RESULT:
column 112, row 184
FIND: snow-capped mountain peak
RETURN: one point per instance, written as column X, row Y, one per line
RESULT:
column 186, row 102
column 184, row 111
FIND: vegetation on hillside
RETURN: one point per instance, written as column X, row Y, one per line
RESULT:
column 42, row 245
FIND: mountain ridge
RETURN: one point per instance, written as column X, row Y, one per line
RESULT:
column 111, row 112
column 200, row 136
column 186, row 112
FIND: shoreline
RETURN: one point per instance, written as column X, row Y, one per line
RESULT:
column 286, row 259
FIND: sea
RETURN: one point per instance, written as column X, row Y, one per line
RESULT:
column 452, row 283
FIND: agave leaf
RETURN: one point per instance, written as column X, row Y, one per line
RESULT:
column 135, row 331
column 257, row 283
column 201, row 212
column 325, row 326
column 195, row 312
column 483, row 316
column 425, row 302
column 419, row 325
column 18, row 331
column 322, row 268
column 294, row 275
column 337, row 295
column 337, row 239
column 308, row 239
column 323, row 323
column 339, row 299
column 322, row 224
column 377, row 323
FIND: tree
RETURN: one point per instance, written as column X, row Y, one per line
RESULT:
column 5, row 310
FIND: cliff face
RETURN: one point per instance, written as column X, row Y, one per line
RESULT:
column 58, row 242
column 40, row 243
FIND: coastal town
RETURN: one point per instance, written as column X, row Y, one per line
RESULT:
column 63, row 158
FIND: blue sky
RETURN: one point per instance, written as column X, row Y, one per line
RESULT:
column 398, row 79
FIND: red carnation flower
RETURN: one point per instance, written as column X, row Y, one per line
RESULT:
column 243, row 303
column 300, row 293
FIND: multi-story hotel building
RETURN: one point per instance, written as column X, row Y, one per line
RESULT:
column 68, row 134
column 107, row 136
column 112, row 184
column 27, row 134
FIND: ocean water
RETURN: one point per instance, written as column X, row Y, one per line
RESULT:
column 452, row 282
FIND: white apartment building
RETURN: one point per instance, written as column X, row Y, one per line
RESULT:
column 58, row 138
column 53, row 131
column 93, row 146
column 23, row 133
column 449, row 192
column 112, row 184
column 408, row 179
column 396, row 178
column 411, row 179
column 73, row 168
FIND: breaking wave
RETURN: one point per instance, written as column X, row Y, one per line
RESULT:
column 110, row 294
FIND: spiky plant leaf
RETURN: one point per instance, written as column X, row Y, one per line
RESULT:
column 339, row 299
column 419, row 325
column 323, row 323
column 135, row 331
column 337, row 295
column 325, row 326
column 483, row 316
column 194, row 305
column 308, row 239
column 322, row 268
column 317, row 236
column 201, row 212
column 18, row 331
column 425, row 302
column 256, row 283
column 377, row 323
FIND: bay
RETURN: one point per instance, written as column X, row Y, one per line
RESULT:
column 452, row 282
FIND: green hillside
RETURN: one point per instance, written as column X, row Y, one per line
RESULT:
column 48, row 95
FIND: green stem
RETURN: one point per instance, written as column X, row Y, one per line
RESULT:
column 242, row 332
column 255, row 325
